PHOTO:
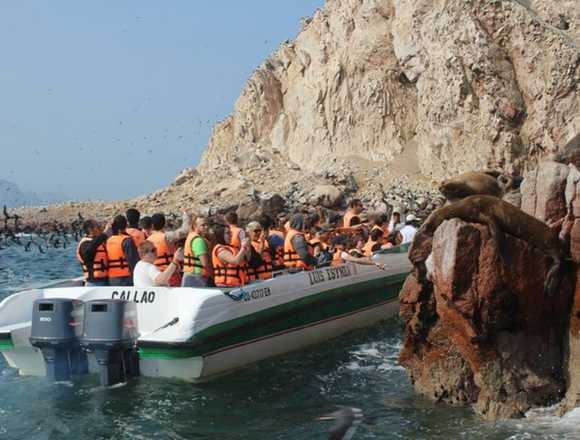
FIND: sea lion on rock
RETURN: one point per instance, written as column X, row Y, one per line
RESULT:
column 500, row 217
column 470, row 184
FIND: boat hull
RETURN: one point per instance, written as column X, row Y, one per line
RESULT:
column 223, row 361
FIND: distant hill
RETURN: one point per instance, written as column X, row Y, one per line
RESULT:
column 12, row 196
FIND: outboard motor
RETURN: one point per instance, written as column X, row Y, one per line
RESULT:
column 54, row 328
column 110, row 332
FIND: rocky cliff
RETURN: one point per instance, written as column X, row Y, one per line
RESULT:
column 430, row 88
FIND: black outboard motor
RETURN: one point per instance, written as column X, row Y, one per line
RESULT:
column 110, row 332
column 53, row 331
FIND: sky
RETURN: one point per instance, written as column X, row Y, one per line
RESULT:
column 112, row 99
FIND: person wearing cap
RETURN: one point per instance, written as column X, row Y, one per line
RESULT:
column 410, row 229
column 262, row 260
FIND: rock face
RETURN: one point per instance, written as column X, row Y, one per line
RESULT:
column 483, row 332
column 543, row 191
column 444, row 86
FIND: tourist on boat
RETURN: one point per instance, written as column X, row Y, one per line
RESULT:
column 352, row 215
column 146, row 226
column 297, row 250
column 381, row 222
column 197, row 268
column 357, row 250
column 237, row 234
column 133, row 230
column 147, row 274
column 261, row 261
column 321, row 244
column 395, row 222
column 393, row 239
column 410, row 229
column 122, row 254
column 374, row 242
column 92, row 254
column 165, row 241
column 275, row 240
column 229, row 263
column 320, row 238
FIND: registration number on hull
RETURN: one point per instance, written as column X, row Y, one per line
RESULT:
column 329, row 274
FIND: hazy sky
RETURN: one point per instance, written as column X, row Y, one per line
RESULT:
column 111, row 99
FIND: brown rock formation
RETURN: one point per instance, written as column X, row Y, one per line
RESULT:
column 482, row 331
column 570, row 231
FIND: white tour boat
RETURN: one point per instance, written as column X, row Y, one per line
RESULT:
column 197, row 334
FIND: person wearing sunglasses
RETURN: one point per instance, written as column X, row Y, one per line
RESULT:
column 147, row 274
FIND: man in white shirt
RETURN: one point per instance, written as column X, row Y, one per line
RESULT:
column 410, row 229
column 146, row 274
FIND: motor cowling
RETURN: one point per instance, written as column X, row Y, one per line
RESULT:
column 54, row 331
column 110, row 332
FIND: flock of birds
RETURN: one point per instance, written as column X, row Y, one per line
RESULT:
column 40, row 237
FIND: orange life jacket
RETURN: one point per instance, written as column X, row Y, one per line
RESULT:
column 385, row 230
column 190, row 260
column 226, row 274
column 347, row 219
column 100, row 264
column 263, row 272
column 336, row 258
column 291, row 257
column 368, row 247
column 118, row 265
column 235, row 241
column 164, row 251
column 137, row 235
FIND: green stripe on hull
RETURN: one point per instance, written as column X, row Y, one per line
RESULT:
column 6, row 345
column 301, row 312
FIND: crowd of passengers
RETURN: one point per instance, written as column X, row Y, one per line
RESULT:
column 204, row 252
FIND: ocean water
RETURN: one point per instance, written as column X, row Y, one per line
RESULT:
column 276, row 399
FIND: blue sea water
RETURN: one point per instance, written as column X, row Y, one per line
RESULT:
column 276, row 399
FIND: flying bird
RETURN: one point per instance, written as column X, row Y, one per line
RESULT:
column 346, row 420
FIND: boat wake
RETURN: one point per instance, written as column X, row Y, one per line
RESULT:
column 544, row 423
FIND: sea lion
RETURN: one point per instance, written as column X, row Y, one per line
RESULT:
column 500, row 217
column 570, row 153
column 470, row 184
